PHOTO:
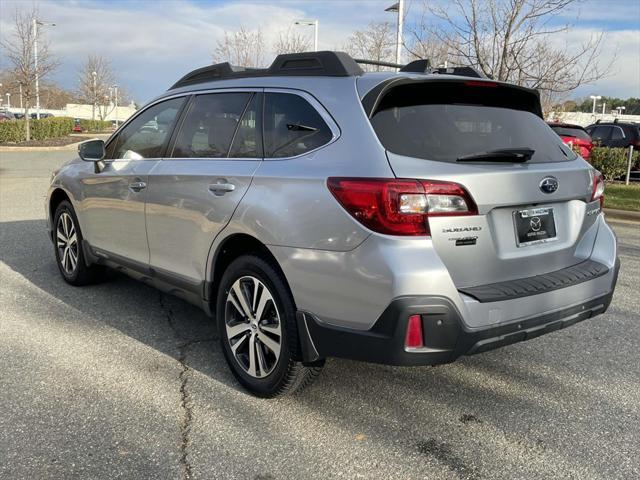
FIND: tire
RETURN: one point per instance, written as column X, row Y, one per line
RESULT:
column 270, row 319
column 69, row 254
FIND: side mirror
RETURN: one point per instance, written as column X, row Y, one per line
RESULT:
column 91, row 150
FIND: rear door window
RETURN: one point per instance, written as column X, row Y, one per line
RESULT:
column 446, row 121
column 601, row 132
column 247, row 142
column 292, row 126
column 210, row 124
column 617, row 134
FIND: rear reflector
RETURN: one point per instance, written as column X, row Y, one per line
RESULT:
column 400, row 206
column 414, row 338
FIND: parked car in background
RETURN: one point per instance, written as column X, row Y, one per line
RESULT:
column 42, row 115
column 5, row 116
column 18, row 116
column 615, row 134
column 76, row 125
column 575, row 136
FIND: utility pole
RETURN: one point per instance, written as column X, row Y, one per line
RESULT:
column 115, row 105
column 35, row 60
column 95, row 95
column 398, row 7
column 37, row 22
column 594, row 98
column 314, row 24
column 20, row 87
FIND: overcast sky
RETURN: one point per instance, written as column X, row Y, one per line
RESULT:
column 153, row 43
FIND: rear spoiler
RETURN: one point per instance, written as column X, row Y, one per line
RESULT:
column 372, row 100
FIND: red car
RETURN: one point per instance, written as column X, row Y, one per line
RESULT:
column 575, row 136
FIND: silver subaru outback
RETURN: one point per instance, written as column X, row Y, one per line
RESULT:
column 318, row 211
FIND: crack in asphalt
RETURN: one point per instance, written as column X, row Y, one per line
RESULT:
column 186, row 403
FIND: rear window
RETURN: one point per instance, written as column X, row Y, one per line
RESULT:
column 445, row 121
column 571, row 132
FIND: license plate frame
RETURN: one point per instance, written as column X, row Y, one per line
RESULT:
column 534, row 226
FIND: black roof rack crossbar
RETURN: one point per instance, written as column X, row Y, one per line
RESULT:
column 318, row 64
column 378, row 63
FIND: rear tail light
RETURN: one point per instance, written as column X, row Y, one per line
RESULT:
column 597, row 192
column 399, row 206
column 414, row 337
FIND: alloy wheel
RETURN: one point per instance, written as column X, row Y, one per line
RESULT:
column 67, row 243
column 253, row 326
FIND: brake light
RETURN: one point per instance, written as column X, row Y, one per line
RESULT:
column 414, row 337
column 597, row 192
column 400, row 206
column 475, row 83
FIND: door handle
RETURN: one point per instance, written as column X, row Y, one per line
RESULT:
column 221, row 188
column 137, row 186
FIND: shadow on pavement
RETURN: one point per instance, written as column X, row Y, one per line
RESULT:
column 498, row 391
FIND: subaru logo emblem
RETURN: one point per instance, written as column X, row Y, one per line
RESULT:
column 549, row 184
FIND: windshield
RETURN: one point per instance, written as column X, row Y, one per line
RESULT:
column 445, row 123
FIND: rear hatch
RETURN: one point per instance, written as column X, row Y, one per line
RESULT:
column 531, row 190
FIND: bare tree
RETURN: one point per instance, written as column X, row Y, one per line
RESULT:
column 55, row 96
column 243, row 48
column 376, row 42
column 18, row 49
column 291, row 42
column 512, row 40
column 95, row 80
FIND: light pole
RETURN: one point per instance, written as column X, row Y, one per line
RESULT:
column 37, row 22
column 115, row 104
column 20, row 87
column 8, row 99
column 314, row 24
column 398, row 7
column 95, row 96
column 594, row 98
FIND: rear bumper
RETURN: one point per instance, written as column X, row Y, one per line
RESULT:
column 446, row 335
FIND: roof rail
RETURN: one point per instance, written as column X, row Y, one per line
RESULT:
column 324, row 64
column 418, row 66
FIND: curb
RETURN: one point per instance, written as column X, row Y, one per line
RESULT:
column 628, row 215
column 71, row 146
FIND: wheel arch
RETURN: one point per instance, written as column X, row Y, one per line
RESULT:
column 57, row 196
column 230, row 248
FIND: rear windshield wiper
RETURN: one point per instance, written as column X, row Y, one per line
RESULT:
column 512, row 155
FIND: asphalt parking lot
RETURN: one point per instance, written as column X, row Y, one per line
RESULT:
column 120, row 381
